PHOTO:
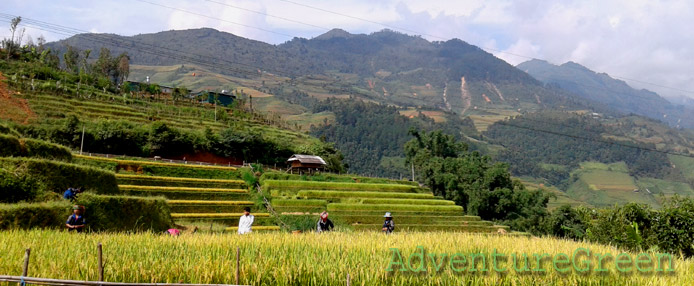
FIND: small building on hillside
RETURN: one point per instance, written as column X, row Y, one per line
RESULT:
column 305, row 164
column 224, row 98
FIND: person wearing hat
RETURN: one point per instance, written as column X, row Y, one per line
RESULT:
column 246, row 221
column 76, row 220
column 324, row 223
column 388, row 225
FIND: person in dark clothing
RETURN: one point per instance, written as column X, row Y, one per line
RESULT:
column 388, row 225
column 71, row 193
column 324, row 223
column 76, row 220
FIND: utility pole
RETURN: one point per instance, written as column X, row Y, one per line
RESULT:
column 82, row 144
column 413, row 171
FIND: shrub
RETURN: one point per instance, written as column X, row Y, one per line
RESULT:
column 15, row 188
column 302, row 223
column 57, row 176
column 8, row 130
column 673, row 227
column 124, row 213
column 10, row 146
column 34, row 215
column 43, row 149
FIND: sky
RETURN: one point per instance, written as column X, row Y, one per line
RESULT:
column 648, row 44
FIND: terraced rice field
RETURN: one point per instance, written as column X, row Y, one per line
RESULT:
column 361, row 206
column 194, row 201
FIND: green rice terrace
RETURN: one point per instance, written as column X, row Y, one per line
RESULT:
column 213, row 198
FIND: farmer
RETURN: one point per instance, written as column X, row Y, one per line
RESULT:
column 71, row 193
column 324, row 223
column 246, row 221
column 388, row 225
column 76, row 220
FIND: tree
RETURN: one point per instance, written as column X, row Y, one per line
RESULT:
column 9, row 45
column 122, row 68
column 473, row 181
column 71, row 59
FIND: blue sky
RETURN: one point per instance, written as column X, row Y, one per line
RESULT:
column 648, row 41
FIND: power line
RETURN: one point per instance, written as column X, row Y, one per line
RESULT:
column 69, row 31
column 445, row 39
column 218, row 19
column 269, row 15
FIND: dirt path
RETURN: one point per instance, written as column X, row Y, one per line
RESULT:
column 14, row 109
column 465, row 94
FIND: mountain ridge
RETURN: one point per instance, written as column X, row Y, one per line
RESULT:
column 602, row 88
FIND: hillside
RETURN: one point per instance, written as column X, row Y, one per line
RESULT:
column 616, row 94
column 598, row 160
column 335, row 87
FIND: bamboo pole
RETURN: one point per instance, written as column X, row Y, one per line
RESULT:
column 101, row 262
column 238, row 252
column 348, row 280
column 25, row 270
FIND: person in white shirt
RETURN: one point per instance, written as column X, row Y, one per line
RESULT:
column 246, row 221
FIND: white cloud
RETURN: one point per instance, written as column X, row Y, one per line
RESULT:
column 646, row 40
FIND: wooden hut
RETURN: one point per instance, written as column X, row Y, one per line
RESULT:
column 305, row 164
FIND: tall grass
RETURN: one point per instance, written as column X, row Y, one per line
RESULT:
column 306, row 259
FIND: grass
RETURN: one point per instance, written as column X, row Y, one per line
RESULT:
column 180, row 189
column 667, row 189
column 151, row 163
column 317, row 203
column 161, row 178
column 257, row 228
column 407, row 202
column 392, row 207
column 185, row 195
column 199, row 202
column 684, row 164
column 128, row 179
column 344, row 194
column 278, row 258
column 328, row 177
column 215, row 215
column 410, row 219
column 311, row 185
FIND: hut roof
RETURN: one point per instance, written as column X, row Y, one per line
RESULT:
column 307, row 159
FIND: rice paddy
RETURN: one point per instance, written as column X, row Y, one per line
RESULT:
column 278, row 258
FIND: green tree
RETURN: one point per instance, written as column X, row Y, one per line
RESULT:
column 474, row 182
column 71, row 60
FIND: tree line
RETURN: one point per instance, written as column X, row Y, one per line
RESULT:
column 485, row 188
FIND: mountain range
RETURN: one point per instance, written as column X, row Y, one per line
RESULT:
column 617, row 94
column 363, row 92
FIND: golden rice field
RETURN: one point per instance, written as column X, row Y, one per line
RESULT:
column 309, row 259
